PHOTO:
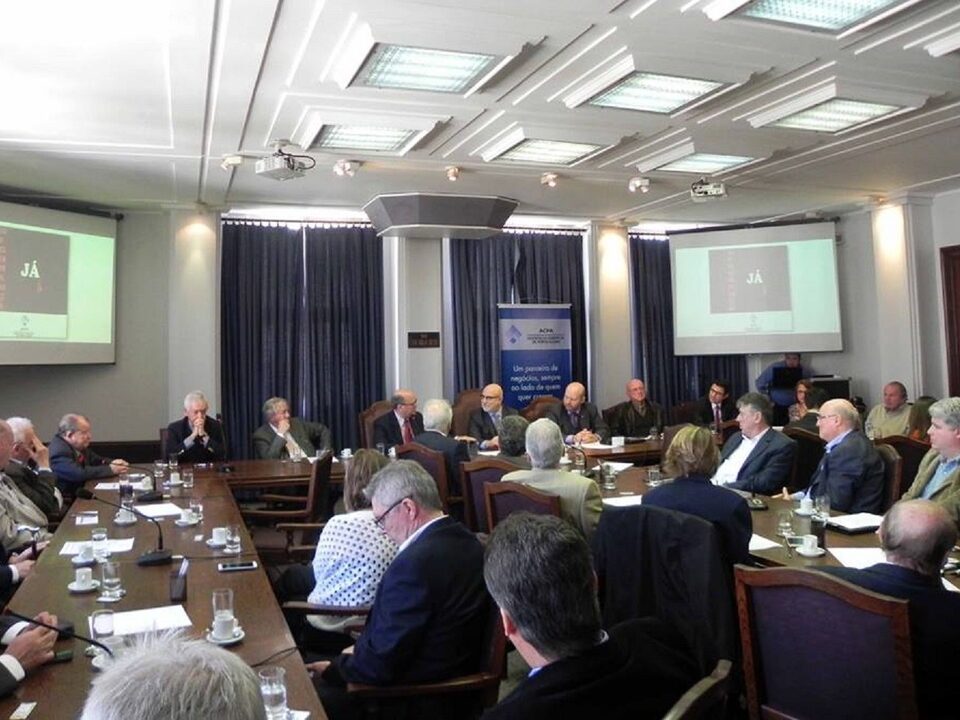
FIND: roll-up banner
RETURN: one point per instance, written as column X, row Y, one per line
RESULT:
column 535, row 351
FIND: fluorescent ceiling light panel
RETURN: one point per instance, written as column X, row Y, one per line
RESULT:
column 944, row 45
column 547, row 152
column 680, row 149
column 650, row 92
column 829, row 15
column 399, row 67
column 358, row 137
column 836, row 115
column 705, row 163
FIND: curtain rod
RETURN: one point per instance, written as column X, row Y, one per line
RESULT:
column 745, row 226
column 287, row 221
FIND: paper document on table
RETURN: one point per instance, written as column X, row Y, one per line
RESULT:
column 856, row 522
column 114, row 546
column 624, row 501
column 88, row 518
column 618, row 466
column 596, row 446
column 116, row 486
column 858, row 557
column 159, row 509
column 759, row 542
column 150, row 620
column 489, row 453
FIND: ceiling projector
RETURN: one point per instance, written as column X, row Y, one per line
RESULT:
column 283, row 166
column 702, row 190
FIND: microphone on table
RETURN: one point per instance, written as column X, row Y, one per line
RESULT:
column 151, row 557
column 61, row 631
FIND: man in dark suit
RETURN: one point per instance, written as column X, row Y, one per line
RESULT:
column 851, row 471
column 579, row 420
column 485, row 421
column 195, row 438
column 431, row 608
column 758, row 458
column 402, row 424
column 916, row 536
column 717, row 407
column 638, row 416
column 26, row 648
column 72, row 460
column 29, row 468
column 539, row 571
column 283, row 436
column 437, row 416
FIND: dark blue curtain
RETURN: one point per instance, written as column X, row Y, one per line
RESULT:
column 520, row 267
column 343, row 367
column 670, row 379
column 261, row 299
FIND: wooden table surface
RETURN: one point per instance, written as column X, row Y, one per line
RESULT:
column 60, row 689
column 244, row 474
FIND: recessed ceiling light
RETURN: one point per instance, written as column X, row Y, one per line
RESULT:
column 835, row 115
column 359, row 137
column 654, row 93
column 830, row 15
column 547, row 152
column 399, row 67
column 705, row 163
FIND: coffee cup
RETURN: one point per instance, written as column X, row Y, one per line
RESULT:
column 126, row 516
column 86, row 551
column 617, row 440
column 806, row 505
column 809, row 544
column 186, row 516
column 84, row 578
column 219, row 535
column 224, row 627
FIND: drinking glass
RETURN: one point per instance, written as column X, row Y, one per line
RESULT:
column 233, row 540
column 110, row 579
column 186, row 475
column 273, row 687
column 196, row 507
column 784, row 523
column 99, row 537
column 159, row 473
column 654, row 477
column 224, row 623
column 101, row 626
column 821, row 505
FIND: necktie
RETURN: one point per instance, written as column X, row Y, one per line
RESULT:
column 717, row 418
column 407, row 431
column 575, row 420
column 293, row 449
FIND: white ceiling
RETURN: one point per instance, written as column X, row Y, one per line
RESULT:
column 132, row 104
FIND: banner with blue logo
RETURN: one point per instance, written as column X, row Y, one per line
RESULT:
column 535, row 351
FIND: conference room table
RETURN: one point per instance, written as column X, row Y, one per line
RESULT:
column 251, row 474
column 60, row 689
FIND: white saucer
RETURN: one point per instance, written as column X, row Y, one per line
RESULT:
column 74, row 588
column 803, row 513
column 215, row 545
column 238, row 635
column 178, row 483
column 230, row 552
column 123, row 523
column 180, row 523
column 80, row 562
column 817, row 553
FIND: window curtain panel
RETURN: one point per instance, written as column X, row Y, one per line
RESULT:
column 343, row 365
column 670, row 379
column 261, row 301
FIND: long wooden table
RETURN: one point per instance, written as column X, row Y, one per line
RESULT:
column 249, row 474
column 60, row 689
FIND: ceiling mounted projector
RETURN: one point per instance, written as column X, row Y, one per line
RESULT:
column 283, row 165
column 703, row 190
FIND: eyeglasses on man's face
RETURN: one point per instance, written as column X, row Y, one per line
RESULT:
column 379, row 519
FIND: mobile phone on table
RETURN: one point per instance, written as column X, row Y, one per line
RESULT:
column 237, row 566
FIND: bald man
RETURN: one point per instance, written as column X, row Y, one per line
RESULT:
column 402, row 424
column 485, row 420
column 916, row 536
column 579, row 420
column 637, row 416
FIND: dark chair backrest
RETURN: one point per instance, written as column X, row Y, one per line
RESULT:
column 467, row 401
column 893, row 488
column 433, row 462
column 475, row 475
column 669, row 432
column 809, row 452
column 684, row 413
column 707, row 698
column 165, row 451
column 911, row 451
column 505, row 498
column 810, row 640
column 538, row 407
column 318, row 499
column 369, row 416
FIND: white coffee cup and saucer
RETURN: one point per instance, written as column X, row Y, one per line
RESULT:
column 187, row 518
column 124, row 517
column 85, row 556
column 84, row 581
column 809, row 547
column 218, row 538
column 235, row 637
column 225, row 629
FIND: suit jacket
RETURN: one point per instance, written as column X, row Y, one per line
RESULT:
column 17, row 509
column 37, row 485
column 590, row 419
column 482, row 427
column 639, row 672
column 934, row 630
column 768, row 466
column 309, row 436
column 949, row 493
column 8, row 683
column 726, row 509
column 73, row 468
column 852, row 475
column 454, row 452
column 626, row 421
column 386, row 429
column 213, row 451
column 429, row 614
column 580, row 499
column 703, row 412
column 807, row 422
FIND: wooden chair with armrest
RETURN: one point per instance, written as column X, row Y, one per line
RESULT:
column 809, row 452
column 368, row 417
column 538, row 407
column 434, row 463
column 706, row 699
column 893, row 487
column 475, row 475
column 467, row 401
column 817, row 646
column 505, row 498
column 911, row 451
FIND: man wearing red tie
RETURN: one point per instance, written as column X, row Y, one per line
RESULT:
column 717, row 407
column 402, row 424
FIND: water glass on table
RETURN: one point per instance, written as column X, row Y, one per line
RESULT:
column 273, row 687
column 233, row 540
column 110, row 579
column 224, row 625
column 186, row 475
column 99, row 538
column 101, row 628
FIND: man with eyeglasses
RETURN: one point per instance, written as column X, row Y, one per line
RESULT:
column 486, row 420
column 851, row 470
column 401, row 425
column 431, row 608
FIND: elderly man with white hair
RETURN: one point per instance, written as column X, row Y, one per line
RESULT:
column 580, row 499
column 437, row 417
column 195, row 438
column 17, row 512
column 29, row 468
